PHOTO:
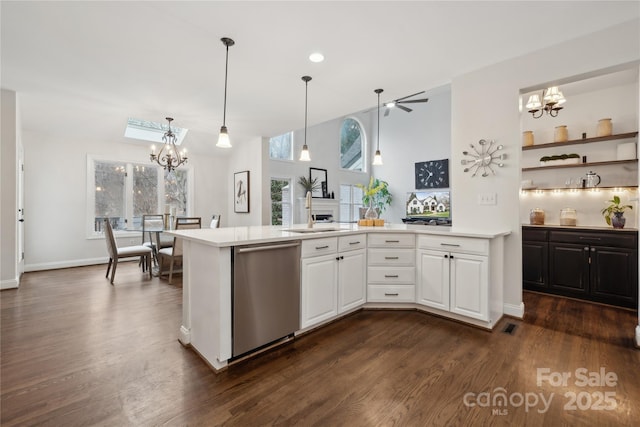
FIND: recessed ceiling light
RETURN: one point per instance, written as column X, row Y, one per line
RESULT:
column 316, row 57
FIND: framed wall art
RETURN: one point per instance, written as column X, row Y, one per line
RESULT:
column 241, row 192
column 320, row 175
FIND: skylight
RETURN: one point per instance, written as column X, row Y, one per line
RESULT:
column 151, row 131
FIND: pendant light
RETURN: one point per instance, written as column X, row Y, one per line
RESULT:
column 377, row 158
column 304, row 154
column 223, row 139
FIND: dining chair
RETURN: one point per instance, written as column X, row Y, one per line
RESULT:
column 152, row 228
column 215, row 221
column 174, row 253
column 115, row 253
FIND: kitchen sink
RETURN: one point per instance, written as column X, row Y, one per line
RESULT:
column 310, row 230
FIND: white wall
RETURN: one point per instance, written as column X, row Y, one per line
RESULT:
column 246, row 156
column 485, row 105
column 56, row 189
column 324, row 147
column 408, row 138
column 9, row 275
column 405, row 138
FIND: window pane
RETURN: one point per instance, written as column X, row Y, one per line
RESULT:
column 280, row 147
column 109, row 194
column 280, row 202
column 145, row 193
column 176, row 191
column 351, row 145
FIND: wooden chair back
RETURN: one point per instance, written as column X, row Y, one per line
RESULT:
column 183, row 224
column 112, row 248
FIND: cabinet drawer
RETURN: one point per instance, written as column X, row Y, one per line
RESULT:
column 315, row 247
column 405, row 275
column 454, row 244
column 350, row 243
column 617, row 240
column 400, row 257
column 534, row 235
column 391, row 240
column 391, row 293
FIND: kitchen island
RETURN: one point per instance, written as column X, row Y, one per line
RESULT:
column 449, row 271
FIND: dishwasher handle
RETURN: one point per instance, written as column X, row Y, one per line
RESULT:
column 267, row 248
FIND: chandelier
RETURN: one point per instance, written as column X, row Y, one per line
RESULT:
column 552, row 98
column 169, row 157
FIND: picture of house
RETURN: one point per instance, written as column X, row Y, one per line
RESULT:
column 428, row 203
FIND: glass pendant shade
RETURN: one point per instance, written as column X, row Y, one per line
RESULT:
column 304, row 154
column 377, row 158
column 223, row 139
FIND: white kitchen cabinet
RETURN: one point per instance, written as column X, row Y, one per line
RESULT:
column 391, row 272
column 319, row 289
column 351, row 280
column 454, row 275
column 433, row 279
column 333, row 277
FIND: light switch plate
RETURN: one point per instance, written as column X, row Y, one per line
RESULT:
column 488, row 199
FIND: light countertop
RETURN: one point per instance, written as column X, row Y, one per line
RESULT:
column 234, row 236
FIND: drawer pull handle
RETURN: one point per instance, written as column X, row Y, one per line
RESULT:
column 391, row 257
column 391, row 276
column 392, row 241
column 450, row 244
column 590, row 238
column 322, row 247
column 389, row 294
column 354, row 243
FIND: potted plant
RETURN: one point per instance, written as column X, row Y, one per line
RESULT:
column 613, row 213
column 376, row 197
column 309, row 185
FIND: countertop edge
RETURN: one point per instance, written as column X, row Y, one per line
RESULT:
column 236, row 236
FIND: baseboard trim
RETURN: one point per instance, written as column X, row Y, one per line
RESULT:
column 184, row 336
column 514, row 310
column 65, row 264
column 9, row 284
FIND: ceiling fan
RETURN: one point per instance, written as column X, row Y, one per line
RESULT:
column 404, row 100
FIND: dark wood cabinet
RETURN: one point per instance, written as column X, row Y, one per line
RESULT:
column 594, row 265
column 535, row 259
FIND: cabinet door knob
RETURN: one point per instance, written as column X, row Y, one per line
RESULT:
column 586, row 248
column 446, row 256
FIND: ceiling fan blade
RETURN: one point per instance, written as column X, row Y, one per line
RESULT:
column 386, row 111
column 409, row 96
column 413, row 101
column 402, row 107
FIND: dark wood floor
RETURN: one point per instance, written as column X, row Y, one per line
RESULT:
column 77, row 351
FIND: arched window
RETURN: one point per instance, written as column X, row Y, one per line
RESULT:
column 351, row 145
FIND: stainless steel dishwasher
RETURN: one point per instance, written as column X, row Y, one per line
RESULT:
column 266, row 294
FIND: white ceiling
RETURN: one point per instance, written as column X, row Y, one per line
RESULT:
column 97, row 63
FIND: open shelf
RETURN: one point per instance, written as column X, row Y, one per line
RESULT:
column 621, row 187
column 582, row 141
column 580, row 165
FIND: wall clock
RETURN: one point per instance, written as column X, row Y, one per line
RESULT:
column 483, row 157
column 432, row 174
